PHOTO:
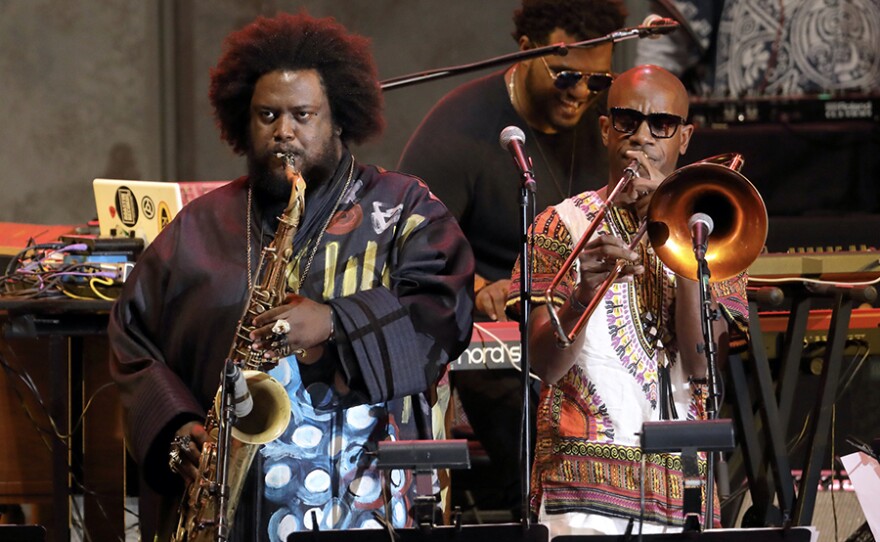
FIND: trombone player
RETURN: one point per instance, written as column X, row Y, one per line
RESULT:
column 636, row 359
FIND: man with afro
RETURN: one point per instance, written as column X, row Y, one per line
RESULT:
column 377, row 297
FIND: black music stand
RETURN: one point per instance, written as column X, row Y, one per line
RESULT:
column 22, row 533
column 506, row 532
column 688, row 438
column 423, row 457
column 795, row 534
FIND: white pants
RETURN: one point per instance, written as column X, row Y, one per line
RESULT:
column 579, row 523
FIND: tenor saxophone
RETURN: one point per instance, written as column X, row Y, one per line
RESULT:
column 201, row 516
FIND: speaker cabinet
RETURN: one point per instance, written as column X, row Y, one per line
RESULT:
column 22, row 533
column 829, row 504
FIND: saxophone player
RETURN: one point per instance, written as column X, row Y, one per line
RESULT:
column 380, row 295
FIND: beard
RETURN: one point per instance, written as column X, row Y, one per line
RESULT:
column 270, row 182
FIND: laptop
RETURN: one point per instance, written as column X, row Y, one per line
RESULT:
column 129, row 208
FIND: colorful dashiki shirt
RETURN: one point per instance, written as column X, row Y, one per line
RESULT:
column 587, row 457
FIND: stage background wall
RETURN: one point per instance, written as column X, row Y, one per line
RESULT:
column 99, row 88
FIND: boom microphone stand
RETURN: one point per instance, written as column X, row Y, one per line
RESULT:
column 652, row 27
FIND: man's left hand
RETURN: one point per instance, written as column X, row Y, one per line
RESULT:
column 491, row 299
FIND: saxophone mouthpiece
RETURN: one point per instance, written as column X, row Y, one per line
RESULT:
column 285, row 157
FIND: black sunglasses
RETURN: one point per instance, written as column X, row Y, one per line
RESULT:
column 566, row 79
column 661, row 125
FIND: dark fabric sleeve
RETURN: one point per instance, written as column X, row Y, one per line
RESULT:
column 155, row 399
column 171, row 327
column 394, row 341
column 378, row 332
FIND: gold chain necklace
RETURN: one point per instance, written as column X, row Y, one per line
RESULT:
column 317, row 241
column 514, row 101
column 250, row 276
column 332, row 212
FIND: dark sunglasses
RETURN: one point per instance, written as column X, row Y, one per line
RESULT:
column 566, row 79
column 661, row 125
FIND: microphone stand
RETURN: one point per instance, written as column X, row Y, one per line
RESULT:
column 560, row 49
column 709, row 349
column 527, row 217
column 227, row 420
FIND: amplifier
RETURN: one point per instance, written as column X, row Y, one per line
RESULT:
column 837, row 515
column 22, row 533
column 784, row 109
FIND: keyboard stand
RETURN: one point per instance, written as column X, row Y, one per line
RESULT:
column 796, row 509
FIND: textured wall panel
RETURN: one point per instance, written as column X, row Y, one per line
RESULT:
column 75, row 105
column 99, row 88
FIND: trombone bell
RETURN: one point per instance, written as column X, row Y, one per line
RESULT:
column 736, row 208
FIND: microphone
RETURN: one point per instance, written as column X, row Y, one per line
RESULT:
column 701, row 227
column 655, row 26
column 512, row 138
column 242, row 402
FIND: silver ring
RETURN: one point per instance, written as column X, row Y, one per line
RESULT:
column 281, row 327
column 181, row 442
column 174, row 460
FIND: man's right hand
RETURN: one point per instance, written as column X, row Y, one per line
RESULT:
column 188, row 440
column 491, row 299
column 598, row 259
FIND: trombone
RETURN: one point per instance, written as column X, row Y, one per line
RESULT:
column 713, row 186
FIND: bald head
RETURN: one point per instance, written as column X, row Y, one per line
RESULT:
column 650, row 80
column 651, row 106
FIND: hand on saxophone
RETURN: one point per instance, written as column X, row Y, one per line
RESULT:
column 300, row 326
column 185, row 450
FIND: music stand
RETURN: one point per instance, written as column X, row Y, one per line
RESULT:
column 423, row 456
column 507, row 532
column 22, row 533
column 688, row 438
column 794, row 534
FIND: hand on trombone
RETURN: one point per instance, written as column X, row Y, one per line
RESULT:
column 597, row 260
column 646, row 180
